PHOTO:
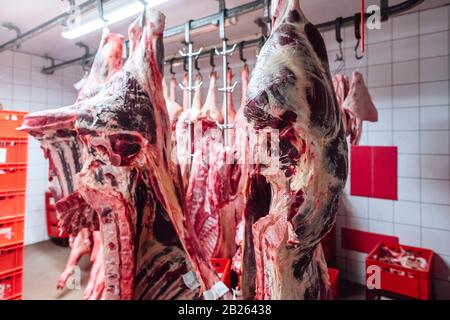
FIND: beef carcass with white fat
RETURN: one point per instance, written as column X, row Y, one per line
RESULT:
column 240, row 138
column 293, row 190
column 209, row 109
column 60, row 141
column 129, row 180
column 63, row 148
column 212, row 189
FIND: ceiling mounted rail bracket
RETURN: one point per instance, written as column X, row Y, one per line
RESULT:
column 49, row 70
column 266, row 19
column 56, row 21
column 384, row 6
column 101, row 11
column 85, row 61
column 12, row 27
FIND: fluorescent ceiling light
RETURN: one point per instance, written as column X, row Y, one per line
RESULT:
column 114, row 16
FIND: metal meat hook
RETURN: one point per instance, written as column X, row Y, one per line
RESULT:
column 211, row 59
column 241, row 52
column 171, row 67
column 357, row 21
column 338, row 29
column 357, row 56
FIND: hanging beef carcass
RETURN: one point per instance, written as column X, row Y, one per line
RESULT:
column 209, row 109
column 355, row 104
column 173, row 108
column 63, row 148
column 182, row 131
column 212, row 196
column 128, row 178
column 240, row 138
column 300, row 169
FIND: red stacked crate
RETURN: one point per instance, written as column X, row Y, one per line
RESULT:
column 400, row 280
column 13, row 178
column 52, row 219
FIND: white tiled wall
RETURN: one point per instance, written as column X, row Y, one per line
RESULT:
column 24, row 88
column 407, row 68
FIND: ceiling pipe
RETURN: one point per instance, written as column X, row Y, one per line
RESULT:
column 215, row 18
column 251, row 6
column 44, row 27
column 387, row 12
column 12, row 27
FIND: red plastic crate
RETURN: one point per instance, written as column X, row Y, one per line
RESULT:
column 16, row 297
column 11, row 285
column 404, row 281
column 334, row 280
column 13, row 150
column 9, row 122
column 50, row 210
column 52, row 219
column 12, row 204
column 223, row 267
column 11, row 258
column 13, row 177
column 11, row 231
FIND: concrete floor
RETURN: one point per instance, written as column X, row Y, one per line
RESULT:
column 44, row 262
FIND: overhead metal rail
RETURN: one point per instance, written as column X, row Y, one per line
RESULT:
column 58, row 20
column 386, row 12
column 213, row 19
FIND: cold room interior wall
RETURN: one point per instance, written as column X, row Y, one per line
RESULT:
column 24, row 88
column 406, row 67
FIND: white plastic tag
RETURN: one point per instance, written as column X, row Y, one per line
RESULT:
column 2, row 155
column 216, row 292
column 190, row 280
column 7, row 232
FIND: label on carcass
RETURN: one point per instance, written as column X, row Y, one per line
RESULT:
column 216, row 292
column 190, row 280
column 6, row 232
column 2, row 155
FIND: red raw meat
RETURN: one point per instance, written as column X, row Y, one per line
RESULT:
column 355, row 104
column 129, row 180
column 209, row 109
column 293, row 190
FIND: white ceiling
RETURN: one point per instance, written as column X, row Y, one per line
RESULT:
column 28, row 14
